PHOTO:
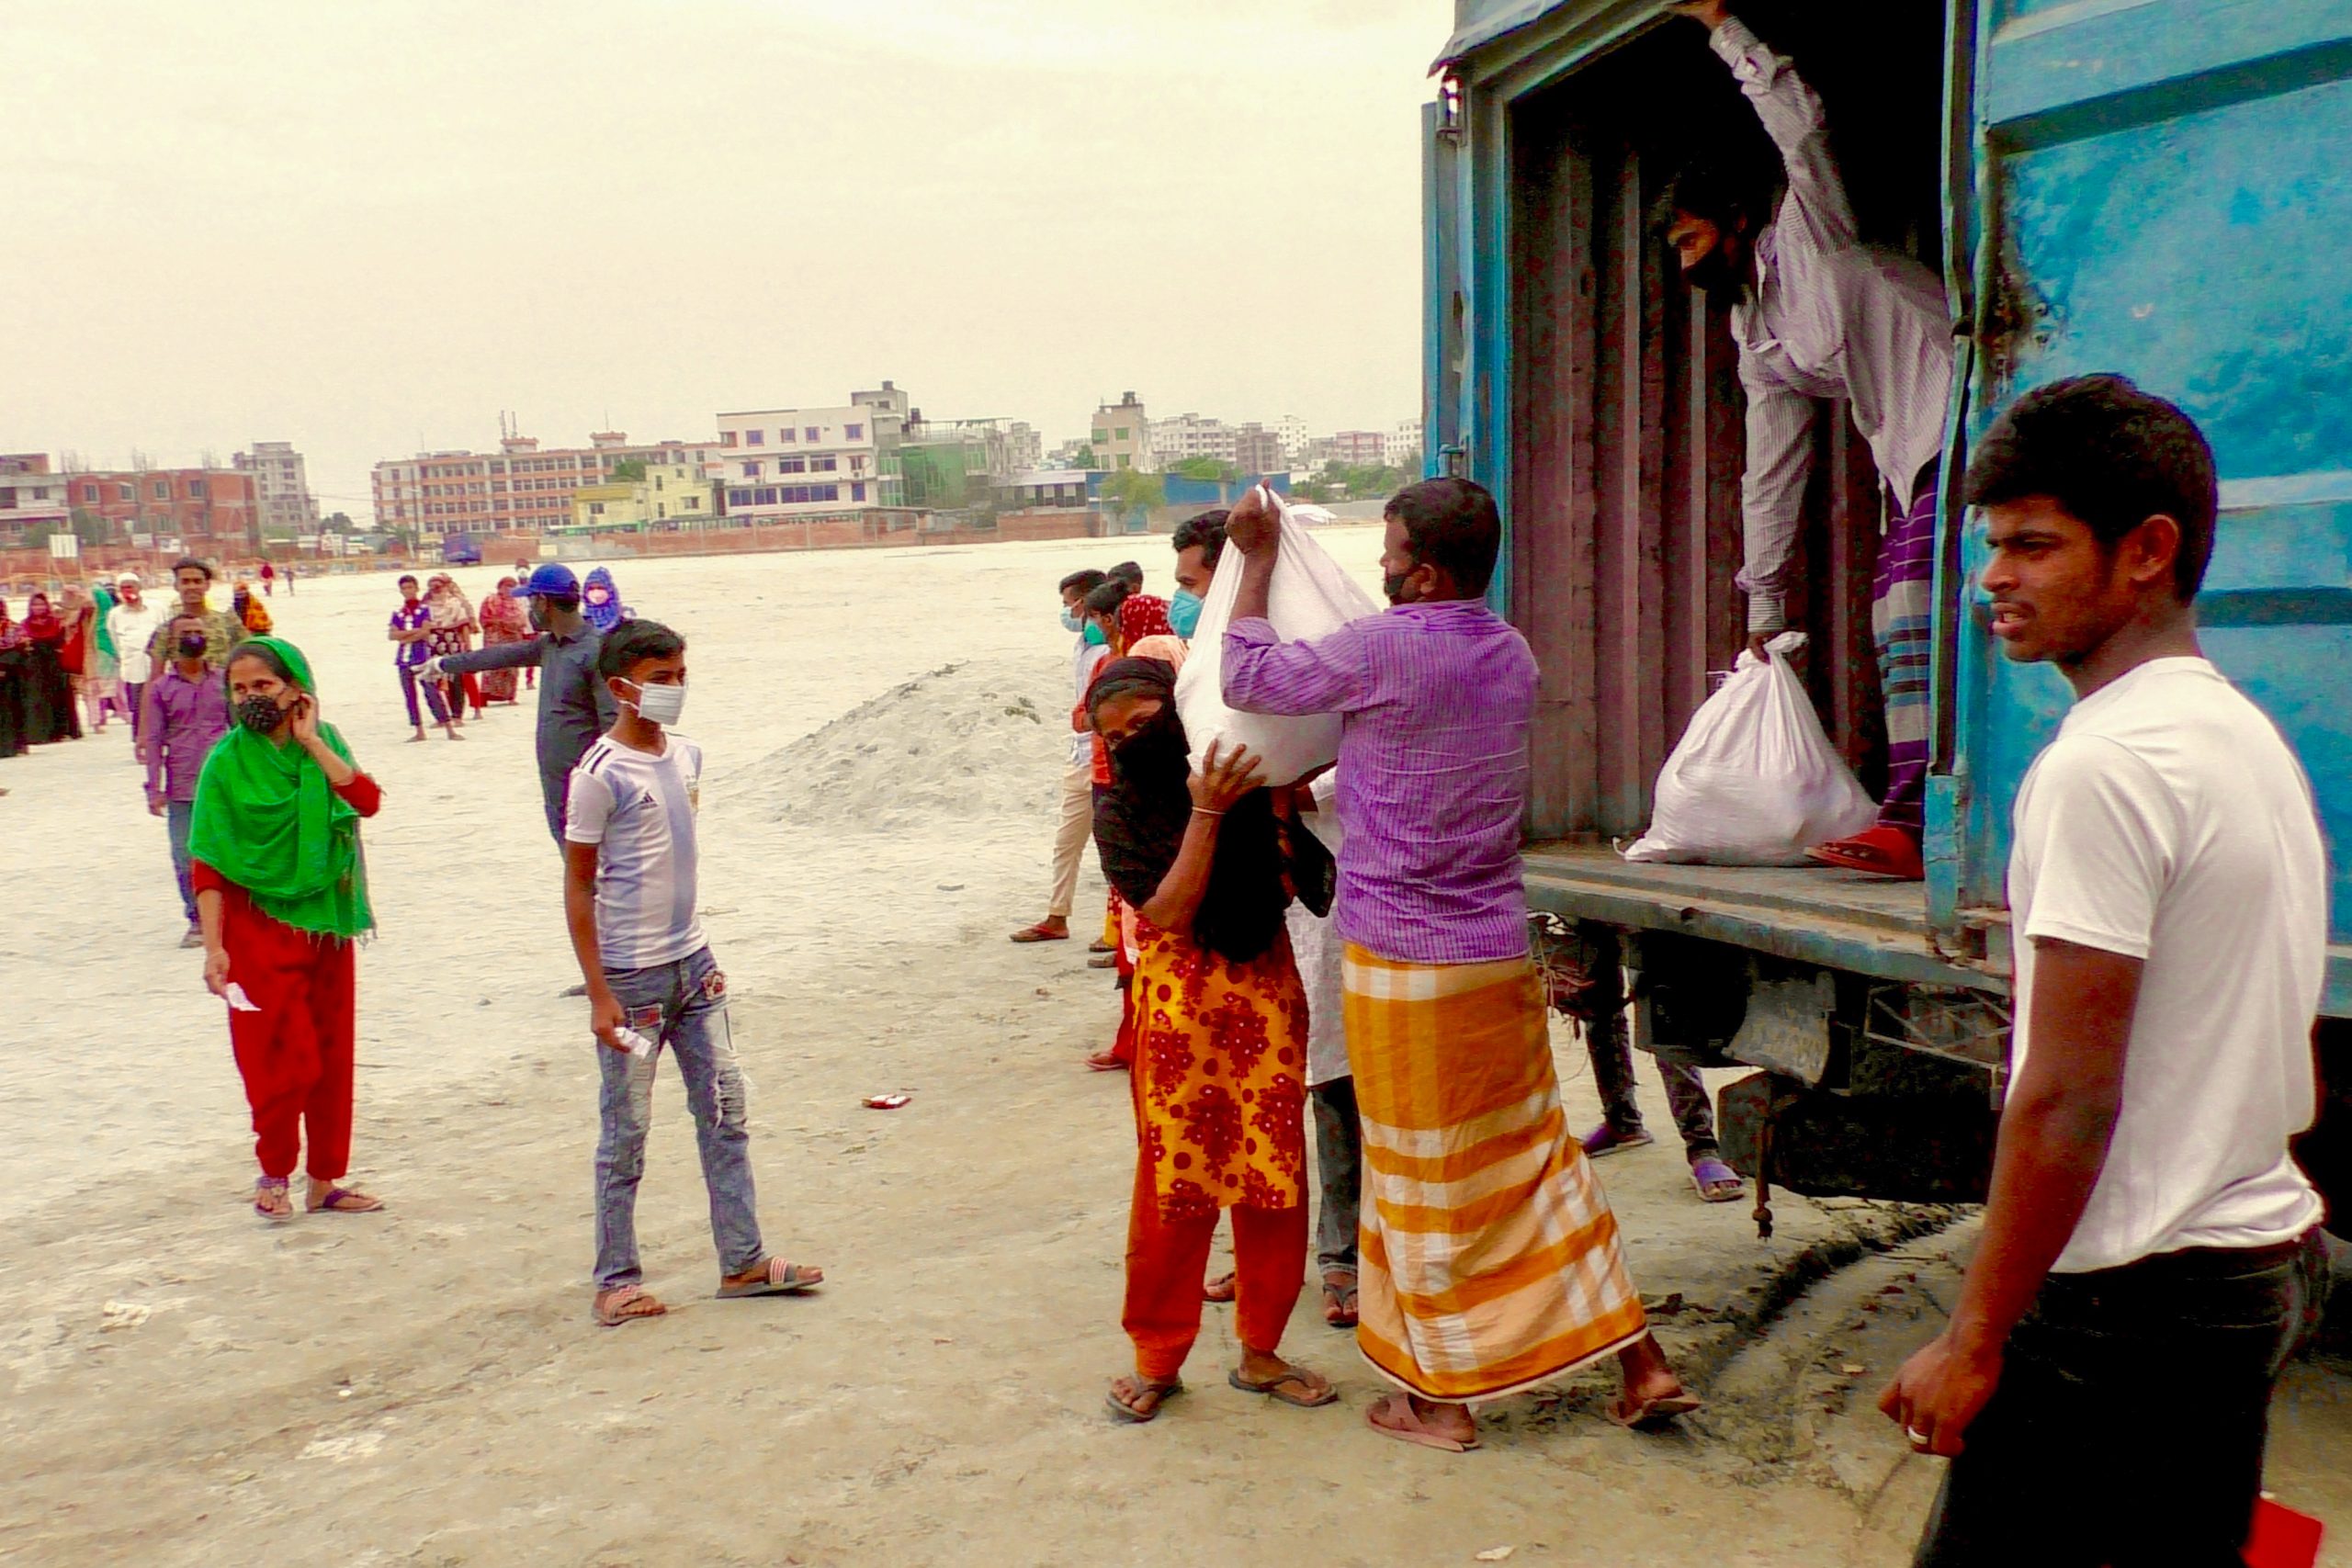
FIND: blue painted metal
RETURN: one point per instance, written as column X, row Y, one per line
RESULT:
column 2165, row 193
column 2154, row 186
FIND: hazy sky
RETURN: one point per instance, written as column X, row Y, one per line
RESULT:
column 371, row 225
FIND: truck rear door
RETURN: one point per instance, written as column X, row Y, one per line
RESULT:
column 2163, row 189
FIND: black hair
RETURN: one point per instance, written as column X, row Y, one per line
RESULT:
column 1715, row 189
column 2112, row 456
column 1129, row 572
column 1207, row 530
column 185, row 562
column 405, row 577
column 1452, row 524
column 269, row 659
column 1107, row 596
column 1085, row 581
column 634, row 642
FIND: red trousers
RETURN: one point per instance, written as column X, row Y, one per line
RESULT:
column 295, row 1054
column 1166, row 1260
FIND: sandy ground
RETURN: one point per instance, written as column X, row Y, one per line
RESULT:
column 181, row 1384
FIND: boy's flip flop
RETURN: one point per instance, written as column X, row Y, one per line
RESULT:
column 782, row 1279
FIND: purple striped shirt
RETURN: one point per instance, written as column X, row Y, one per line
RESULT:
column 1437, row 700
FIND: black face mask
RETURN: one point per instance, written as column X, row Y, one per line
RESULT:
column 1394, row 588
column 192, row 645
column 1716, row 275
column 259, row 714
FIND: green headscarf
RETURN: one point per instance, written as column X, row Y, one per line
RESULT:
column 267, row 820
column 105, row 598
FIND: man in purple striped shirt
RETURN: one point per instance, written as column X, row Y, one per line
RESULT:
column 1489, row 1260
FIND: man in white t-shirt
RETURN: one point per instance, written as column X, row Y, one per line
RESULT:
column 132, row 623
column 2150, row 1252
column 628, row 897
column 1075, row 826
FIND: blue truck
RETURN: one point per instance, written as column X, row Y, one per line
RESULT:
column 2158, row 188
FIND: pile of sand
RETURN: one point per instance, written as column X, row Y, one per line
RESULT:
column 964, row 741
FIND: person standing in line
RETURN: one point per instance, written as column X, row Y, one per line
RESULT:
column 1820, row 316
column 576, row 704
column 411, row 633
column 78, row 652
column 502, row 622
column 14, row 658
column 1489, row 1258
column 1588, row 981
column 281, row 897
column 131, row 624
column 530, row 671
column 453, row 630
column 1199, row 544
column 187, row 713
column 50, row 715
column 1076, row 821
column 101, row 679
column 599, row 601
column 222, row 630
column 1220, row 1107
column 628, row 897
column 1330, row 1082
column 2151, row 1253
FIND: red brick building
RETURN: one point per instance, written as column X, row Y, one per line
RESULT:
column 30, row 495
column 211, row 511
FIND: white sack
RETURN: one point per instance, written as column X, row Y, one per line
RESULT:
column 1310, row 596
column 1754, row 780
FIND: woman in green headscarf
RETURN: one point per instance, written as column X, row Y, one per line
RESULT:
column 281, row 893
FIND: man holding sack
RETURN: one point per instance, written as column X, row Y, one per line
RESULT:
column 1489, row 1255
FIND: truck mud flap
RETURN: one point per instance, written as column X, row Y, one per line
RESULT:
column 1776, row 1132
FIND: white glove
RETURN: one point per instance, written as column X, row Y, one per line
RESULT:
column 431, row 670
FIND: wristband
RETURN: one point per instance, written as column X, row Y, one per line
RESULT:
column 1204, row 811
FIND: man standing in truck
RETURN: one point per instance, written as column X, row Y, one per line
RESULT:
column 2150, row 1252
column 1818, row 316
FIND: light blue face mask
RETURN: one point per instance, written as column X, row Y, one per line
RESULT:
column 1072, row 622
column 1184, row 614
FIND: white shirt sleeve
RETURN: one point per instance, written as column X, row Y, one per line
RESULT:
column 588, row 805
column 1771, row 493
column 2099, row 831
column 1793, row 118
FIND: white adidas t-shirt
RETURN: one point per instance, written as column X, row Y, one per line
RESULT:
column 640, row 809
column 2169, row 822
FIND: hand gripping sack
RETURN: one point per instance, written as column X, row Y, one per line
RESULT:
column 1754, row 780
column 1310, row 596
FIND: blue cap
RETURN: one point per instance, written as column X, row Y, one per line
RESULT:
column 550, row 579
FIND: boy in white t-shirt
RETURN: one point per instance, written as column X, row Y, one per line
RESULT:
column 629, row 897
column 2151, row 1252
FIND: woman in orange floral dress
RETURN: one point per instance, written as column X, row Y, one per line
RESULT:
column 1219, row 1079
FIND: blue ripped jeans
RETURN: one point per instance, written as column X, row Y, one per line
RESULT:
column 681, row 1007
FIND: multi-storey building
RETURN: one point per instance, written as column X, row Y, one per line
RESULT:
column 1122, row 436
column 805, row 463
column 287, row 510
column 667, row 498
column 1360, row 448
column 1403, row 446
column 518, row 489
column 209, row 511
column 1187, row 436
column 1257, row 450
column 1293, row 431
column 31, row 496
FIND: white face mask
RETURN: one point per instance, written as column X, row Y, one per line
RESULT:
column 658, row 705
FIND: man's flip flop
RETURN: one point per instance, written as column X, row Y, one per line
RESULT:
column 1272, row 1389
column 1884, row 851
column 1651, row 1412
column 1716, row 1182
column 783, row 1280
column 625, row 1304
column 1161, row 1392
column 1039, row 933
column 1606, row 1140
column 1417, row 1435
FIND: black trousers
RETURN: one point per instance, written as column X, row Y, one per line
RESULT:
column 2129, row 1426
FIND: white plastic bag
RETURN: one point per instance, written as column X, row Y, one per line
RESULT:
column 1309, row 597
column 1754, row 780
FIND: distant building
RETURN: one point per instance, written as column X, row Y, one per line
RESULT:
column 210, row 511
column 1403, row 446
column 288, row 509
column 31, row 496
column 1293, row 431
column 1360, row 448
column 670, row 497
column 1188, row 436
column 518, row 489
column 1040, row 489
column 1258, row 450
column 1122, row 436
column 1023, row 446
column 792, row 464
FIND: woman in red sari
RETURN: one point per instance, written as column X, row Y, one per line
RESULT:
column 502, row 622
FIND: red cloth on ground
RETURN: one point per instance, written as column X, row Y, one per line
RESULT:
column 1165, row 1261
column 295, row 1054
